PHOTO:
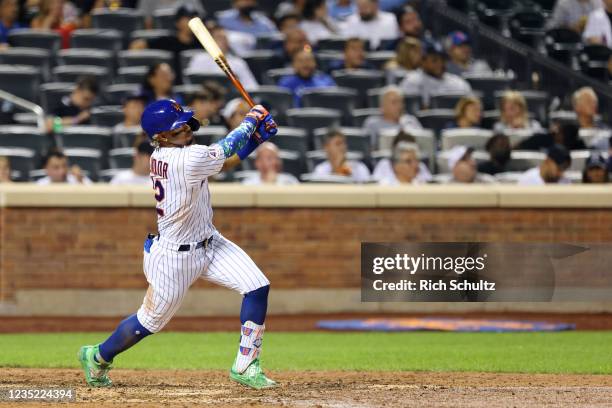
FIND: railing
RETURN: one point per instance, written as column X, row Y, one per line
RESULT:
column 27, row 105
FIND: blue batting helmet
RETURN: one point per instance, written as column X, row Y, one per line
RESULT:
column 164, row 115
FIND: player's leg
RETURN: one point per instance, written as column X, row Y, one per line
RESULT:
column 231, row 267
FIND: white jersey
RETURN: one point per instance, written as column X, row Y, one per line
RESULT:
column 180, row 179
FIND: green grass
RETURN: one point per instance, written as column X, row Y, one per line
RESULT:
column 564, row 352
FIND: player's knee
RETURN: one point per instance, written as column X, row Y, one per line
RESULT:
column 260, row 294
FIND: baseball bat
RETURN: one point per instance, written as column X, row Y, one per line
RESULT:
column 210, row 45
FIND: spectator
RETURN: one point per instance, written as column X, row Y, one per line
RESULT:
column 410, row 26
column 391, row 5
column 384, row 167
column 337, row 163
column 408, row 57
column 306, row 76
column 149, row 7
column 203, row 62
column 9, row 11
column 432, row 77
column 340, row 10
column 393, row 115
column 74, row 108
column 405, row 165
column 158, row 83
column 244, row 17
column 56, row 166
column 572, row 14
column 5, row 170
column 287, row 22
column 370, row 23
column 551, row 170
column 500, row 152
column 233, row 113
column 204, row 108
column 463, row 167
column 595, row 170
column 468, row 112
column 295, row 41
column 290, row 7
column 514, row 114
column 133, row 106
column 269, row 167
column 316, row 23
column 459, row 49
column 598, row 28
column 354, row 56
column 139, row 174
column 182, row 38
column 567, row 134
column 586, row 104
column 58, row 15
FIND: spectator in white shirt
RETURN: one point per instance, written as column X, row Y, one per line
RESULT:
column 384, row 167
column 371, row 23
column 572, row 14
column 316, row 23
column 139, row 174
column 269, row 167
column 550, row 171
column 337, row 163
column 405, row 165
column 204, row 63
column 598, row 28
column 514, row 114
column 56, row 166
column 432, row 77
column 392, row 114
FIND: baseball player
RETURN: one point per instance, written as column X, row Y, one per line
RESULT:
column 188, row 246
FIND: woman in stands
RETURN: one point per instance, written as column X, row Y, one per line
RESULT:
column 408, row 57
column 468, row 112
column 515, row 115
column 315, row 22
column 58, row 15
column 158, row 83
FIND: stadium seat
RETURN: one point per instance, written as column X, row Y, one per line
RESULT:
column 490, row 118
column 332, row 44
column 436, row 119
column 114, row 94
column 592, row 136
column 360, row 115
column 593, row 61
column 278, row 100
column 327, row 59
column 527, row 26
column 260, row 61
column 209, row 134
column 123, row 19
column 424, row 138
column 270, row 41
column 121, row 158
column 89, row 160
column 51, row 94
column 126, row 137
column 21, row 80
column 164, row 19
column 361, row 80
column 71, row 73
column 310, row 119
column 579, row 159
column 93, row 137
column 135, row 58
column 131, row 75
column 148, row 35
column 412, row 102
column 563, row 117
column 35, row 57
column 293, row 139
column 562, row 44
column 449, row 101
column 192, row 77
column 521, row 160
column 184, row 91
column 342, row 99
column 28, row 137
column 107, row 116
column 378, row 59
column 357, row 140
column 87, row 56
column 488, row 85
column 102, row 39
column 274, row 75
column 476, row 138
column 537, row 103
column 21, row 160
column 25, row 37
column 314, row 157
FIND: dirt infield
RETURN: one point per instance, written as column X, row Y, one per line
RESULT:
column 322, row 389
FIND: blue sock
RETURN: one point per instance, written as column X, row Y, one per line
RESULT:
column 255, row 306
column 128, row 333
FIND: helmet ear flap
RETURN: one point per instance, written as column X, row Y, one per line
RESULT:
column 194, row 124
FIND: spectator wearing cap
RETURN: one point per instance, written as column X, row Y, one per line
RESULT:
column 149, row 7
column 204, row 108
column 306, row 76
column 384, row 167
column 392, row 115
column 133, row 106
column 463, row 167
column 500, row 152
column 468, row 112
column 74, row 109
column 9, row 10
column 233, row 113
column 598, row 28
column 337, row 164
column 244, row 17
column 370, row 23
column 354, row 56
column 406, row 159
column 432, row 77
column 514, row 114
column 459, row 48
column 269, row 168
column 204, row 63
column 316, row 23
column 56, row 167
column 572, row 14
column 139, row 173
column 550, row 171
column 340, row 10
column 5, row 170
column 595, row 170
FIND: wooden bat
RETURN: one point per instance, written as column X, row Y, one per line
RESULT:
column 210, row 45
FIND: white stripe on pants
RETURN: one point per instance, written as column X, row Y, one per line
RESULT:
column 170, row 273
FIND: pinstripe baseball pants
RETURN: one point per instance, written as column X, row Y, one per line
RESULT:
column 170, row 273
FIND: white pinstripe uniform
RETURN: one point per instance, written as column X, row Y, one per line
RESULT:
column 180, row 178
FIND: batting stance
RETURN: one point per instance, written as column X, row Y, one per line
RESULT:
column 188, row 246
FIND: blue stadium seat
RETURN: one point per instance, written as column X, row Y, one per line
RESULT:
column 124, row 20
column 21, row 80
column 121, row 158
column 310, row 119
column 360, row 80
column 87, row 56
column 103, row 39
column 131, row 75
column 71, row 73
column 25, row 37
column 107, row 116
column 28, row 137
column 89, row 160
column 134, row 58
column 35, row 57
column 21, row 160
column 114, row 94
column 343, row 99
column 92, row 137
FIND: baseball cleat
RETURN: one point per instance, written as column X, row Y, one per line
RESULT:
column 253, row 377
column 96, row 374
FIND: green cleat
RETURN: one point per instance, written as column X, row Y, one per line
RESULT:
column 96, row 374
column 253, row 377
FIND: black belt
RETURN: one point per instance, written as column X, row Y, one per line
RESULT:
column 188, row 247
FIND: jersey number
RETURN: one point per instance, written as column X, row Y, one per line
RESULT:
column 160, row 194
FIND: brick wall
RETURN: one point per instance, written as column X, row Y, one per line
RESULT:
column 297, row 248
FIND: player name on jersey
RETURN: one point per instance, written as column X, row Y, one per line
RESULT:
column 159, row 168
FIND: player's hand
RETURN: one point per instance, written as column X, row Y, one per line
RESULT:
column 257, row 115
column 266, row 129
